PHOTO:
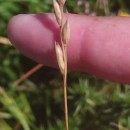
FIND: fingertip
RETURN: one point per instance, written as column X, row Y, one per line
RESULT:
column 33, row 35
column 10, row 26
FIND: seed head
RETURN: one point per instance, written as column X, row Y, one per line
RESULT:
column 61, row 2
column 57, row 11
column 66, row 32
column 59, row 55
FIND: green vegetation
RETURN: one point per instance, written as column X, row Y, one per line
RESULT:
column 37, row 102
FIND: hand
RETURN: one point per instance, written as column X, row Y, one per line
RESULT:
column 98, row 45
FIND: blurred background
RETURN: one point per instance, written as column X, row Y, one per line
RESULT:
column 31, row 94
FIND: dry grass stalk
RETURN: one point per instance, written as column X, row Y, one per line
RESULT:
column 61, row 49
column 27, row 74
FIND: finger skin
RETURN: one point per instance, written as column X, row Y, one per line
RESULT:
column 98, row 45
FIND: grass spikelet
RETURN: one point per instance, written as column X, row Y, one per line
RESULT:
column 58, row 12
column 59, row 55
column 66, row 32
